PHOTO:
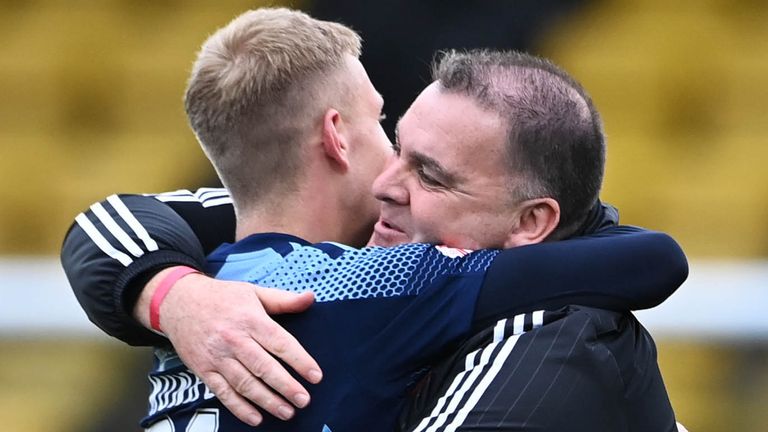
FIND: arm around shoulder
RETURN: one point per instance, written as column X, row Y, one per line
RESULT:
column 621, row 268
column 115, row 247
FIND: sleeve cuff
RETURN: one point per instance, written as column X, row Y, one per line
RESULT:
column 129, row 286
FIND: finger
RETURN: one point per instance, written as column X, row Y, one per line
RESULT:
column 235, row 403
column 284, row 346
column 262, row 365
column 250, row 387
column 276, row 301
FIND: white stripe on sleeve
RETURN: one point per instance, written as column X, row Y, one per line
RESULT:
column 498, row 330
column 477, row 393
column 131, row 220
column 205, row 193
column 176, row 198
column 469, row 364
column 100, row 241
column 518, row 324
column 212, row 202
column 476, row 373
column 208, row 197
column 177, row 192
column 116, row 231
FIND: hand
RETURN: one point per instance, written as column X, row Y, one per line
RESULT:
column 223, row 332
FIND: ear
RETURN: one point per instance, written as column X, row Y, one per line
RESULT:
column 537, row 219
column 334, row 142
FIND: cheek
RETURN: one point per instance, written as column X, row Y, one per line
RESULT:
column 434, row 220
column 458, row 234
column 379, row 154
column 463, row 227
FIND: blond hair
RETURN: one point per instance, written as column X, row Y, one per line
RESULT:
column 257, row 87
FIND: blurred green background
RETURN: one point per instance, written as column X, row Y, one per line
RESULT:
column 90, row 104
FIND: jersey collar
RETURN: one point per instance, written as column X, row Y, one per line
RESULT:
column 279, row 242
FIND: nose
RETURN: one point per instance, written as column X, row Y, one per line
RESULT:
column 389, row 186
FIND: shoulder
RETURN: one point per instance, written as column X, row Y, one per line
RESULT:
column 422, row 254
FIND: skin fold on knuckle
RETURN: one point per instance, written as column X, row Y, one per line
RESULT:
column 262, row 366
column 247, row 385
column 281, row 345
column 218, row 386
column 259, row 396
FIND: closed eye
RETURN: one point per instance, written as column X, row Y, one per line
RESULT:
column 427, row 179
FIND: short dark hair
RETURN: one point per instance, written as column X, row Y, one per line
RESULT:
column 556, row 144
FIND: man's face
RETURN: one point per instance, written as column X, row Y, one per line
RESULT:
column 448, row 183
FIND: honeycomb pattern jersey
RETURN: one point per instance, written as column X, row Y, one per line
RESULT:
column 382, row 315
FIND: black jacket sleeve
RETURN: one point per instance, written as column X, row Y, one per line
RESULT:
column 619, row 268
column 113, row 248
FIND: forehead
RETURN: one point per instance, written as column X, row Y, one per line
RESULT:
column 452, row 128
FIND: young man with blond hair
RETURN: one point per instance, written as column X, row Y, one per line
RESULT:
column 270, row 91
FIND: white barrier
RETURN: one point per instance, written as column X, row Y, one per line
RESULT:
column 721, row 299
column 36, row 300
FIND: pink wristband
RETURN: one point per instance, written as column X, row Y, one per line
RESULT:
column 162, row 290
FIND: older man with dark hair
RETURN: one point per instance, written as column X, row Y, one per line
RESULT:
column 544, row 149
column 555, row 140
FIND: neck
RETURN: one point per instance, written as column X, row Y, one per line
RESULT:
column 311, row 213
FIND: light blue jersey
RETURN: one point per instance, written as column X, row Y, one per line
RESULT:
column 382, row 316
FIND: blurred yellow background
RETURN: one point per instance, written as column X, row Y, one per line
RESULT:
column 90, row 104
